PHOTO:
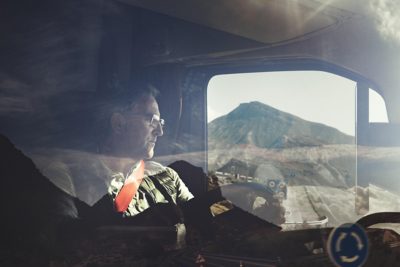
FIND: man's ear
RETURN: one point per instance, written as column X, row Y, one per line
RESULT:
column 118, row 123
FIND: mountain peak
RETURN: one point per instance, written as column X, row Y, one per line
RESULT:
column 252, row 109
column 258, row 124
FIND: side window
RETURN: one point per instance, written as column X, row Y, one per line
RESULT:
column 377, row 108
column 288, row 136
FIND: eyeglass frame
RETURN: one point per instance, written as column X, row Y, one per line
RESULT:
column 155, row 120
column 158, row 121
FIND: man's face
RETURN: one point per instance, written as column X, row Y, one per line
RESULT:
column 139, row 135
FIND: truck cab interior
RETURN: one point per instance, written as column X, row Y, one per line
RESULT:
column 282, row 118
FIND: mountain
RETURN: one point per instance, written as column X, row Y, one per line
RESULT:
column 260, row 125
column 33, row 210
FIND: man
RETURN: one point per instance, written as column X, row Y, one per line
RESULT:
column 136, row 183
column 68, row 222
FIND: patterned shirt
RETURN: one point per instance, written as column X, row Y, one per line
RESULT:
column 148, row 194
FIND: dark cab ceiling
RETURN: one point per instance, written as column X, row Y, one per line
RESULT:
column 62, row 46
column 360, row 36
column 264, row 21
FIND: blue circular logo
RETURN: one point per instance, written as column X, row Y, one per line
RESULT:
column 348, row 245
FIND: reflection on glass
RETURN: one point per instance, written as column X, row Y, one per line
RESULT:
column 288, row 138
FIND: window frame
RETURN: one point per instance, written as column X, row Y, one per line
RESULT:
column 203, row 73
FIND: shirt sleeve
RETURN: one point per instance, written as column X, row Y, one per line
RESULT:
column 183, row 193
column 116, row 183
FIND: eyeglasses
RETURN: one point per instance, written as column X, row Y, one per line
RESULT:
column 153, row 119
column 156, row 120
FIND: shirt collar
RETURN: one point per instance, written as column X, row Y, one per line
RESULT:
column 151, row 168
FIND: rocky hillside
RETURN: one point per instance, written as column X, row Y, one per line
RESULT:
column 263, row 126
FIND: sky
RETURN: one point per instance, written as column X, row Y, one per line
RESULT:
column 311, row 95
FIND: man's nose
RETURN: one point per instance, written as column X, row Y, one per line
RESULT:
column 158, row 131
